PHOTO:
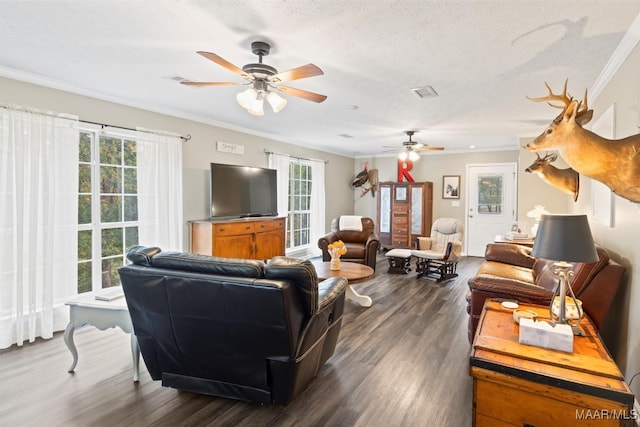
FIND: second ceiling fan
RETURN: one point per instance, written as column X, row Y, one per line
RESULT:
column 264, row 79
column 410, row 148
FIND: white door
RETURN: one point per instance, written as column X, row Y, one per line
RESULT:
column 491, row 208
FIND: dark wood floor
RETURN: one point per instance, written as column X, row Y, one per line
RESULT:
column 401, row 362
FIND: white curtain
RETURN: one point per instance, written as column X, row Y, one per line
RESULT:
column 38, row 222
column 281, row 164
column 160, row 190
column 317, row 206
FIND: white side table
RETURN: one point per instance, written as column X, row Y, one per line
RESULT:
column 87, row 310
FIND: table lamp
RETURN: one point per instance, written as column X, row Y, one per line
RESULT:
column 564, row 239
column 536, row 213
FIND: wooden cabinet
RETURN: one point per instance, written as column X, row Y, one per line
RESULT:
column 253, row 238
column 521, row 385
column 405, row 212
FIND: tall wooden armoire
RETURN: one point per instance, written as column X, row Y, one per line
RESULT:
column 405, row 212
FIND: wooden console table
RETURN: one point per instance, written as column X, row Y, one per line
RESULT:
column 517, row 384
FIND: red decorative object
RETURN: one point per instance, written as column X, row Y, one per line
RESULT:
column 404, row 166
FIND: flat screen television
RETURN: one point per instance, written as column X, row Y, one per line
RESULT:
column 243, row 191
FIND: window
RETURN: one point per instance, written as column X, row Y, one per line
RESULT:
column 107, row 207
column 299, row 210
column 490, row 195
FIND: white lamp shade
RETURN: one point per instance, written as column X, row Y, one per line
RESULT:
column 257, row 109
column 277, row 102
column 247, row 98
column 403, row 155
column 413, row 156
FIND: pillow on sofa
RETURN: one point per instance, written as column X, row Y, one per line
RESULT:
column 510, row 254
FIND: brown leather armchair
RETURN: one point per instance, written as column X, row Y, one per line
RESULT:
column 362, row 245
column 510, row 272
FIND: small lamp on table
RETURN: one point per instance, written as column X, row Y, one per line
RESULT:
column 564, row 239
column 536, row 213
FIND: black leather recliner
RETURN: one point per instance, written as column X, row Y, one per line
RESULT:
column 234, row 328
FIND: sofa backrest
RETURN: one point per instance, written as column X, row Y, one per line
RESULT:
column 443, row 231
column 354, row 236
column 583, row 272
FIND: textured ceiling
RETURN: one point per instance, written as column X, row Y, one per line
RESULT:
column 482, row 57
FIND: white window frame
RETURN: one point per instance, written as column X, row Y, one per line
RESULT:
column 96, row 227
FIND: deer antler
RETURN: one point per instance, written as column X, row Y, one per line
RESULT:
column 563, row 97
column 583, row 104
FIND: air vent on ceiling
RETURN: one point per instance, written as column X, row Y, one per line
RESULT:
column 425, row 92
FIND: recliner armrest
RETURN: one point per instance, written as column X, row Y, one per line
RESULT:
column 424, row 243
column 372, row 239
column 455, row 252
column 330, row 289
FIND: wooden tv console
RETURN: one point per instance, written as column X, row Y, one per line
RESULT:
column 249, row 238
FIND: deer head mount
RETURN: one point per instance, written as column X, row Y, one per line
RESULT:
column 566, row 180
column 615, row 163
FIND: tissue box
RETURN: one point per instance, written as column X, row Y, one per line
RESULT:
column 542, row 334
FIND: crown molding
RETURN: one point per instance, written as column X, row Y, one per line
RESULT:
column 627, row 44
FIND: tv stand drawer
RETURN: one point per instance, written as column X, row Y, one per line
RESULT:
column 269, row 225
column 231, row 228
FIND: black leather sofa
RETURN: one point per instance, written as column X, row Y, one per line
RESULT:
column 234, row 328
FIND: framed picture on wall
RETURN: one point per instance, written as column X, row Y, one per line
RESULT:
column 451, row 187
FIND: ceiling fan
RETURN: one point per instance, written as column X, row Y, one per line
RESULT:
column 265, row 81
column 410, row 148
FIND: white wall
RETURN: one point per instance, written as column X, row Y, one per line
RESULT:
column 197, row 153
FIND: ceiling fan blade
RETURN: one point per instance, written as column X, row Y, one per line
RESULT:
column 428, row 148
column 309, row 96
column 224, row 63
column 210, row 83
column 297, row 73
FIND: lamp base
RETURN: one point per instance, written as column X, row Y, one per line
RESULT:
column 559, row 313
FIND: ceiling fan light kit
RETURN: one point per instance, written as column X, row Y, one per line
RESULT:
column 409, row 154
column 265, row 81
column 410, row 148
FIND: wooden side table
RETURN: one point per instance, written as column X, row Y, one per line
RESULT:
column 517, row 384
column 353, row 272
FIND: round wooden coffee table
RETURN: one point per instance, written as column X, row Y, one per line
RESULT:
column 353, row 272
